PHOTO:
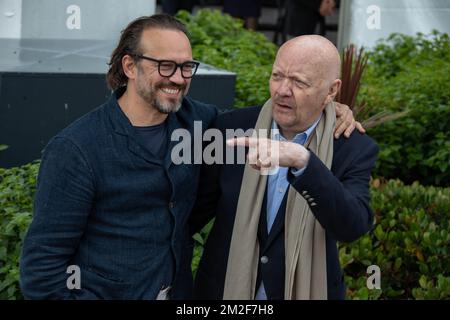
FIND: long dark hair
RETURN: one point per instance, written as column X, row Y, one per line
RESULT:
column 129, row 44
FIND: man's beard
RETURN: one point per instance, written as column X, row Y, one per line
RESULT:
column 150, row 96
column 167, row 107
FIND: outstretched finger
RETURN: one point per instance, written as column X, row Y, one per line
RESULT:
column 243, row 141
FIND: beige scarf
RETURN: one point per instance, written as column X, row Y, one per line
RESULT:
column 305, row 251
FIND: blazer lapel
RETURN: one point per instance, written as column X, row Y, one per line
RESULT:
column 122, row 126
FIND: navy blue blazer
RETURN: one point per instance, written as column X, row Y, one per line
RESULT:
column 339, row 199
column 113, row 208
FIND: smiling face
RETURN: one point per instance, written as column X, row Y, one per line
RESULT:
column 303, row 82
column 162, row 93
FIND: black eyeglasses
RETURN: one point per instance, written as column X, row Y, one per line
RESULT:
column 167, row 68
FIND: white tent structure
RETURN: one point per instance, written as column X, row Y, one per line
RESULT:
column 363, row 22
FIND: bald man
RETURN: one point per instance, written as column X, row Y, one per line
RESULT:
column 278, row 216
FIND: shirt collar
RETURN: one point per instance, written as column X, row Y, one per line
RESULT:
column 300, row 137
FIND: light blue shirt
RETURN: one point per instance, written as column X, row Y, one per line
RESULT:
column 277, row 184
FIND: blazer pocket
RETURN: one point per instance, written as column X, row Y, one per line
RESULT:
column 103, row 286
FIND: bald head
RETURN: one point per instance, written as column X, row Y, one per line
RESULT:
column 304, row 80
column 316, row 51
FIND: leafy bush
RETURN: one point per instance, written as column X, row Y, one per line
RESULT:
column 17, row 187
column 221, row 41
column 410, row 244
column 411, row 73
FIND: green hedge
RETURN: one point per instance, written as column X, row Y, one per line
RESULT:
column 412, row 73
column 17, row 188
column 410, row 244
column 221, row 41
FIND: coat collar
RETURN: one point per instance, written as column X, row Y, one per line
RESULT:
column 122, row 126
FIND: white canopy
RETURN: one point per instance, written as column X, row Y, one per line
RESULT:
column 363, row 22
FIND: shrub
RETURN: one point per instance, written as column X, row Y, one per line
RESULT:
column 410, row 244
column 17, row 187
column 221, row 41
column 411, row 73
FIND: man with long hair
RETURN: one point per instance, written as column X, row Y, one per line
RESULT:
column 109, row 199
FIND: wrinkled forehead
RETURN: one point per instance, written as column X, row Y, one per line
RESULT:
column 311, row 61
column 293, row 61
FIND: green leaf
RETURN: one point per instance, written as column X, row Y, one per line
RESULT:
column 423, row 282
column 379, row 233
column 197, row 237
column 398, row 263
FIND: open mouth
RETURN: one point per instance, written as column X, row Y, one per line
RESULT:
column 171, row 91
column 283, row 107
